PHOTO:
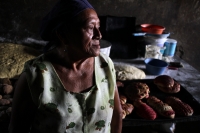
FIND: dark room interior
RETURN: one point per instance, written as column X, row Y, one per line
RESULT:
column 20, row 22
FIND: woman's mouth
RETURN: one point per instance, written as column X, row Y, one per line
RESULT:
column 96, row 46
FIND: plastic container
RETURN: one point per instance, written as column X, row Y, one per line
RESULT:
column 155, row 66
column 163, row 35
column 105, row 47
column 153, row 51
column 152, row 40
column 170, row 45
column 152, row 28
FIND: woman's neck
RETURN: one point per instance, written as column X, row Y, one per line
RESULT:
column 69, row 61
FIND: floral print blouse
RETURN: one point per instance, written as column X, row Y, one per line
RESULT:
column 61, row 111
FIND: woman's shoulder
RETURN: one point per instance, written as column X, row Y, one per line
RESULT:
column 39, row 58
column 105, row 58
column 38, row 62
column 104, row 61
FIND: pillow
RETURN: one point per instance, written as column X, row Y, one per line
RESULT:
column 13, row 57
column 128, row 72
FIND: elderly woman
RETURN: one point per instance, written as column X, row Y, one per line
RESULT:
column 71, row 88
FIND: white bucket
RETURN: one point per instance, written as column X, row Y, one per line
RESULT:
column 105, row 47
column 155, row 40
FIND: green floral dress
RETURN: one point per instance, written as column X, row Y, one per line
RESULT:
column 61, row 111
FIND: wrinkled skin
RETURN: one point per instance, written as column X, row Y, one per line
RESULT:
column 82, row 38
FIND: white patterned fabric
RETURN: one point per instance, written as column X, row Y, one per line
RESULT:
column 61, row 111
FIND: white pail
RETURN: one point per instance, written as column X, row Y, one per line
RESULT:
column 105, row 47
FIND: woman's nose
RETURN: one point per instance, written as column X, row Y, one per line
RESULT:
column 97, row 34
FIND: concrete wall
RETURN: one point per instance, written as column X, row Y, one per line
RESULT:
column 19, row 20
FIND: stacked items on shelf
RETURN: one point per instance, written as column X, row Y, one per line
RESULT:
column 158, row 46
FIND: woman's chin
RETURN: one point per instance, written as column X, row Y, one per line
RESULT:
column 95, row 52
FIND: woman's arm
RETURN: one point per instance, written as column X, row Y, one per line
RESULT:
column 116, row 124
column 23, row 108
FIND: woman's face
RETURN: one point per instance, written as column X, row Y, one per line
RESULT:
column 85, row 34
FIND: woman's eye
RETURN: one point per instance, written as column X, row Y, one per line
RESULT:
column 90, row 29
